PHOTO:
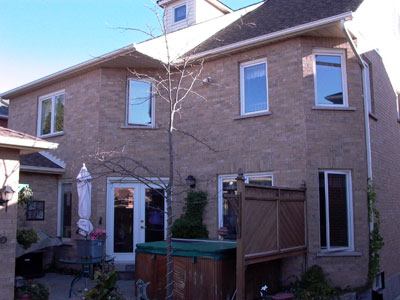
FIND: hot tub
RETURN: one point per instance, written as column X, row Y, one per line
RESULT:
column 203, row 269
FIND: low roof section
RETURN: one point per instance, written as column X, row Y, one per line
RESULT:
column 24, row 142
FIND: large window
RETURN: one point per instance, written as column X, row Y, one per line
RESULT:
column 140, row 110
column 51, row 114
column 180, row 13
column 227, row 185
column 64, row 209
column 330, row 78
column 253, row 87
column 336, row 211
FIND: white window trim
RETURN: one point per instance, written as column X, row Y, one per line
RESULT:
column 242, row 86
column 173, row 13
column 331, row 52
column 39, row 123
column 127, row 104
column 350, row 221
column 233, row 176
column 59, row 210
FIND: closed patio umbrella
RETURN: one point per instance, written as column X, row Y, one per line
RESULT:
column 84, row 186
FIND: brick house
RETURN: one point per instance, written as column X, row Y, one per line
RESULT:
column 291, row 98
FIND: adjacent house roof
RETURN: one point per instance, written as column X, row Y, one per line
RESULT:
column 277, row 15
column 40, row 163
column 26, row 143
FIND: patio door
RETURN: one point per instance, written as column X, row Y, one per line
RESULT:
column 135, row 214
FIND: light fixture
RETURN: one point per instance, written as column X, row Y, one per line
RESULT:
column 191, row 181
column 6, row 195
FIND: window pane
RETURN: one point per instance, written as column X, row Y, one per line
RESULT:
column 59, row 114
column 329, row 80
column 180, row 13
column 45, row 124
column 338, row 227
column 154, row 215
column 139, row 110
column 229, row 186
column 264, row 181
column 255, row 88
column 66, row 194
column 123, row 220
column 322, row 210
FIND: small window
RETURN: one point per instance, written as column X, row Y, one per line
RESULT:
column 140, row 103
column 64, row 209
column 51, row 114
column 227, row 185
column 253, row 87
column 330, row 78
column 180, row 13
column 336, row 223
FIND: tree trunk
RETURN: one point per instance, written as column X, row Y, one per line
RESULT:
column 170, row 268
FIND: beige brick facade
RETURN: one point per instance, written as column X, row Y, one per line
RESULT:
column 9, row 174
column 293, row 143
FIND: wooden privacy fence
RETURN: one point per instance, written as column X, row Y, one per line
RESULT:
column 270, row 224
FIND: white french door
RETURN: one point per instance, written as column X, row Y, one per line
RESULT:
column 135, row 214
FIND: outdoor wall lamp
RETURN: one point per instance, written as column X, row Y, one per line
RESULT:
column 191, row 181
column 6, row 195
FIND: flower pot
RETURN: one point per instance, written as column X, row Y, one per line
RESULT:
column 90, row 248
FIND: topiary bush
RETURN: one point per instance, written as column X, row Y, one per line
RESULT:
column 190, row 224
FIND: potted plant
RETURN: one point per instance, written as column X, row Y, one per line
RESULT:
column 93, row 245
column 27, row 237
column 29, row 290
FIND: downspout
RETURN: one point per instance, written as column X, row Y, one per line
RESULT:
column 366, row 96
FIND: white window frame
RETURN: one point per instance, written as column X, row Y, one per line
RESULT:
column 60, row 210
column 350, row 222
column 242, row 86
column 51, row 96
column 176, row 7
column 331, row 52
column 152, row 103
column 247, row 176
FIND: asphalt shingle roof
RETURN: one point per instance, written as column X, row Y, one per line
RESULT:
column 276, row 15
column 37, row 160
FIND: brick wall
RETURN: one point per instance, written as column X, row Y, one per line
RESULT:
column 293, row 142
column 9, row 173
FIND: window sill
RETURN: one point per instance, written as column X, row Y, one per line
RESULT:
column 267, row 113
column 342, row 253
column 50, row 135
column 139, row 127
column 373, row 116
column 346, row 108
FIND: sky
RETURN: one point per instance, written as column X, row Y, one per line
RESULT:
column 40, row 37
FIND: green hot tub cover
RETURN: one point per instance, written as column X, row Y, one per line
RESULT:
column 206, row 249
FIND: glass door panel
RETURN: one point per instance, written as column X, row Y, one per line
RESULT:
column 123, row 220
column 154, row 215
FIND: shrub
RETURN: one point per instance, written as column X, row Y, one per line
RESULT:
column 37, row 291
column 27, row 237
column 190, row 224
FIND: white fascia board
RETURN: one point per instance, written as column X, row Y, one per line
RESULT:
column 26, row 144
column 32, row 169
column 274, row 35
column 71, row 70
column 181, row 41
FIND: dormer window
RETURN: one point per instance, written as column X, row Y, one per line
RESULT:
column 180, row 13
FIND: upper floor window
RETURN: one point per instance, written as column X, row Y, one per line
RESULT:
column 253, row 87
column 51, row 114
column 330, row 78
column 140, row 106
column 180, row 13
column 336, row 210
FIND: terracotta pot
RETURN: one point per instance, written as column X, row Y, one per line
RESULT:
column 25, row 297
